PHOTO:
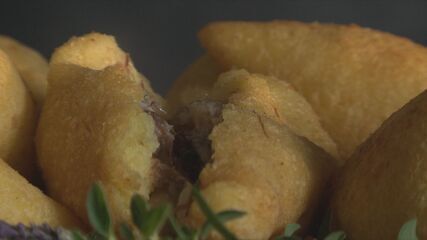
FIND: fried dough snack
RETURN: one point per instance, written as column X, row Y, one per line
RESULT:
column 23, row 203
column 383, row 184
column 97, row 51
column 94, row 128
column 257, row 163
column 353, row 77
column 268, row 95
column 194, row 84
column 17, row 120
column 277, row 100
column 31, row 65
column 264, row 169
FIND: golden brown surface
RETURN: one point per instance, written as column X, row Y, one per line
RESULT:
column 23, row 203
column 17, row 120
column 262, row 168
column 353, row 77
column 277, row 100
column 383, row 184
column 92, row 128
column 193, row 84
column 31, row 65
column 97, row 51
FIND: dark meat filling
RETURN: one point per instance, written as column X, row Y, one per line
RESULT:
column 188, row 151
column 167, row 182
column 163, row 130
column 192, row 147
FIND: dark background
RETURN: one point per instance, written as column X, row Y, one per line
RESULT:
column 161, row 35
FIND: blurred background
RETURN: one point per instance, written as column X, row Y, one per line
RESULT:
column 161, row 35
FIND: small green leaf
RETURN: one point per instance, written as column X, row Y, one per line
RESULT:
column 180, row 233
column 291, row 229
column 229, row 215
column 289, row 233
column 155, row 220
column 77, row 235
column 337, row 235
column 139, row 210
column 126, row 232
column 223, row 216
column 211, row 217
column 97, row 210
column 408, row 230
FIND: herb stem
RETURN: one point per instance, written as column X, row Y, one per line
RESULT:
column 210, row 215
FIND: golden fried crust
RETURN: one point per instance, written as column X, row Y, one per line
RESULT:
column 92, row 128
column 353, row 77
column 93, row 50
column 17, row 120
column 277, row 100
column 383, row 184
column 21, row 202
column 264, row 169
column 194, row 84
column 97, row 51
column 31, row 65
column 267, row 95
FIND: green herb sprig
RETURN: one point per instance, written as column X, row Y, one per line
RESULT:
column 408, row 230
column 149, row 221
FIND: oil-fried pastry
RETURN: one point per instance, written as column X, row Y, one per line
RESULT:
column 193, row 84
column 384, row 183
column 353, row 77
column 245, row 157
column 23, row 203
column 17, row 120
column 97, row 51
column 277, row 100
column 31, row 65
column 267, row 95
column 103, row 125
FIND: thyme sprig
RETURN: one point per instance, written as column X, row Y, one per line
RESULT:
column 148, row 222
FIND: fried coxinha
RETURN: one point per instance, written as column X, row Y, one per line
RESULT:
column 353, row 77
column 249, row 155
column 31, row 65
column 23, row 203
column 101, row 122
column 132, row 150
column 23, row 83
column 384, row 182
column 17, row 120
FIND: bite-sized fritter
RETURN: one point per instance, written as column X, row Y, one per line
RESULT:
column 102, row 125
column 384, row 183
column 266, row 95
column 31, row 65
column 194, row 84
column 277, row 100
column 23, row 203
column 353, row 77
column 249, row 159
column 97, row 51
column 262, row 168
column 17, row 120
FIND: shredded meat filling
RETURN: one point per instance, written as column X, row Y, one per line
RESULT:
column 163, row 130
column 192, row 147
column 184, row 149
column 167, row 182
